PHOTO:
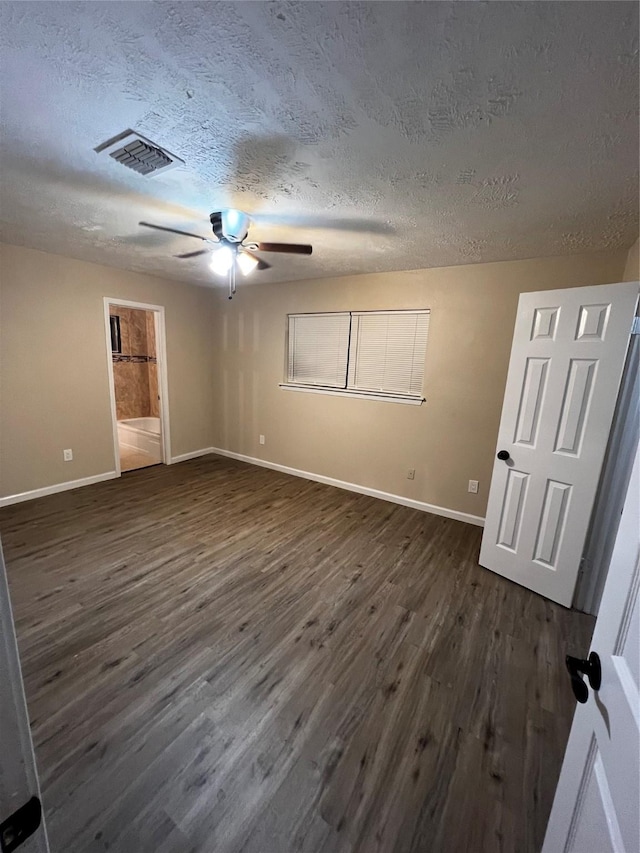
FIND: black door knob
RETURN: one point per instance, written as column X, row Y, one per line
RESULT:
column 503, row 455
column 591, row 668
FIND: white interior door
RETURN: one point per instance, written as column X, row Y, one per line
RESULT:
column 568, row 352
column 597, row 803
column 18, row 776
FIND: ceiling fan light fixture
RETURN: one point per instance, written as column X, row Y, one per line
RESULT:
column 247, row 263
column 235, row 225
column 222, row 260
column 230, row 251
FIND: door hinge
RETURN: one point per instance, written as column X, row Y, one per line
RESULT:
column 20, row 825
column 635, row 326
column 582, row 566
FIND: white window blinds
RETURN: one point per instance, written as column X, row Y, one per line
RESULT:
column 361, row 352
column 318, row 349
column 388, row 350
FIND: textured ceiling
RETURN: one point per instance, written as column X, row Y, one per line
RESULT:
column 434, row 133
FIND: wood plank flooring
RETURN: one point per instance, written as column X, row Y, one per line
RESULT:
column 223, row 659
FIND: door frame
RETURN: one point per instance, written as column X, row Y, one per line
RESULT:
column 163, row 384
column 614, row 480
column 19, row 760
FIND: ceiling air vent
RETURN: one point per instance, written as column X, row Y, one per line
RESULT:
column 137, row 153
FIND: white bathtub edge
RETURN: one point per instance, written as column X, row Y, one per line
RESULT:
column 138, row 438
column 132, row 423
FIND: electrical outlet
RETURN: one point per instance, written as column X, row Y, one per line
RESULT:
column 68, row 455
column 261, row 439
column 473, row 487
column 411, row 474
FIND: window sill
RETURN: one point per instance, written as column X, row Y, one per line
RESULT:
column 347, row 392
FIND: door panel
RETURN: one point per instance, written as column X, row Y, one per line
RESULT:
column 592, row 829
column 552, row 523
column 511, row 519
column 545, row 321
column 592, row 323
column 535, row 379
column 567, row 358
column 575, row 405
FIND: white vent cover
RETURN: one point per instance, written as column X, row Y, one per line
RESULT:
column 140, row 154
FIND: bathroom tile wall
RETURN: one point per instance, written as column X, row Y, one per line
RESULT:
column 136, row 392
column 154, row 406
column 154, row 403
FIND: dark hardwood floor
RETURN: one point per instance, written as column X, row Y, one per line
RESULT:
column 223, row 659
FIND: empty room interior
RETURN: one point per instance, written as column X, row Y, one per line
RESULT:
column 319, row 411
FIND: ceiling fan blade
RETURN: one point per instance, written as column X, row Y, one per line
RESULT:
column 298, row 220
column 193, row 254
column 286, row 248
column 262, row 265
column 175, row 231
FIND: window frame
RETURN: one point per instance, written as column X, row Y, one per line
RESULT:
column 386, row 396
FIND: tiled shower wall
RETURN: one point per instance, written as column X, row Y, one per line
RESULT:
column 154, row 407
column 136, row 381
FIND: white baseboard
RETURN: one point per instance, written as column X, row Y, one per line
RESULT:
column 193, row 455
column 58, row 487
column 263, row 463
column 351, row 487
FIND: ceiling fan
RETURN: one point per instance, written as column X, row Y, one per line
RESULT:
column 229, row 251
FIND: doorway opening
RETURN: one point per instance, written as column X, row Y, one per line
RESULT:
column 138, row 384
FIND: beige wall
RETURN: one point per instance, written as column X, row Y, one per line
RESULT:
column 53, row 369
column 632, row 267
column 225, row 360
column 448, row 440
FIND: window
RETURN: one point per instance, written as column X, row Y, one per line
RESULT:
column 318, row 349
column 378, row 354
